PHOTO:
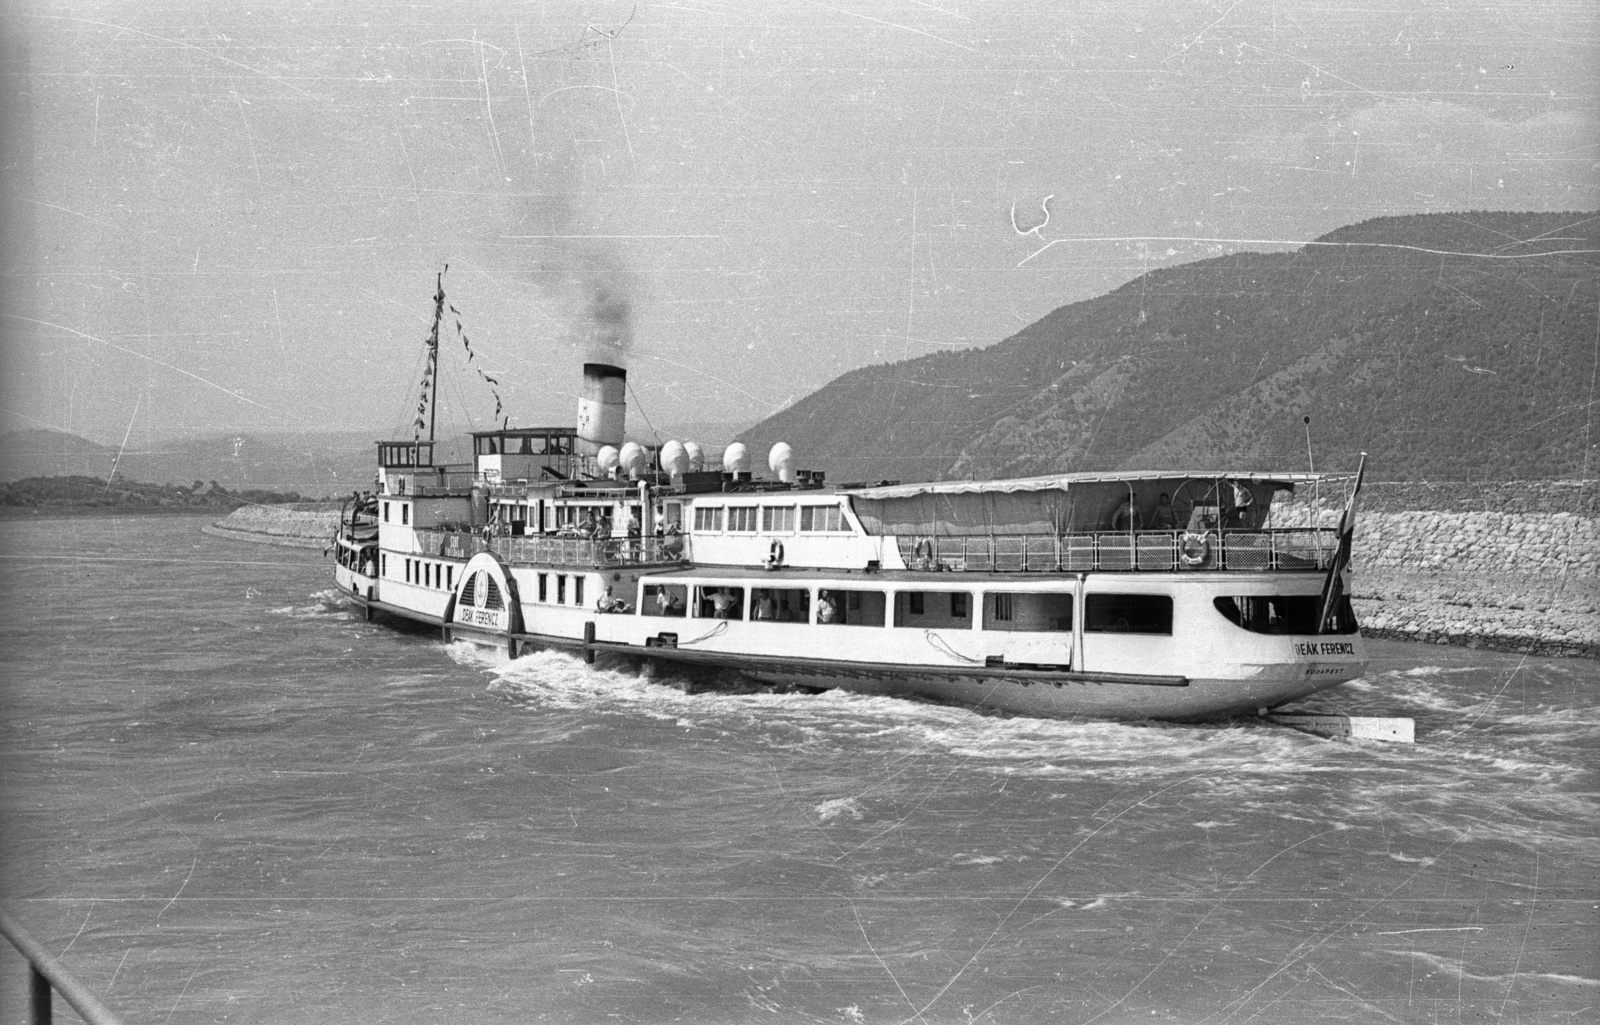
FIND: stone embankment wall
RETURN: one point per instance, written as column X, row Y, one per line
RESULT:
column 1513, row 566
column 306, row 525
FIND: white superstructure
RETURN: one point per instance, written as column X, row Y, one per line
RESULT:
column 1151, row 594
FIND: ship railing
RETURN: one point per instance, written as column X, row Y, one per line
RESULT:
column 451, row 544
column 1287, row 549
column 430, row 485
column 592, row 552
column 45, row 975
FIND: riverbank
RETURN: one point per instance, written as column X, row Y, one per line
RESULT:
column 1534, row 615
column 302, row 525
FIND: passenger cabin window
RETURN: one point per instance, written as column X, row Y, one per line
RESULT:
column 665, row 600
column 851, row 608
column 933, row 609
column 821, row 517
column 386, row 512
column 544, row 587
column 1127, row 613
column 405, row 513
column 719, row 602
column 781, row 604
column 707, row 519
column 1028, row 611
column 1284, row 613
column 777, row 519
column 577, row 590
column 561, row 589
column 742, row 518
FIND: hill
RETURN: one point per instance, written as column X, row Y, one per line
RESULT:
column 1445, row 345
column 311, row 463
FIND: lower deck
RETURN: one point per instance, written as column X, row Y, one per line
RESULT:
column 1158, row 645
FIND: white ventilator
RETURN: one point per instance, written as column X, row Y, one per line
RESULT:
column 781, row 462
column 736, row 458
column 674, row 458
column 632, row 459
column 696, row 454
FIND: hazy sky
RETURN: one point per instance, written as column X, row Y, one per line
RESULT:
column 230, row 215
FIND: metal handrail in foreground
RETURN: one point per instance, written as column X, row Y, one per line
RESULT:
column 45, row 973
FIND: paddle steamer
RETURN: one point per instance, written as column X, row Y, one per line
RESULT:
column 1166, row 595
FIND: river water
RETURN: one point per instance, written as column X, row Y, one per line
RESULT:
column 229, row 798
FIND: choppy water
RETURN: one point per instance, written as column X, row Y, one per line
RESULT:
column 229, row 798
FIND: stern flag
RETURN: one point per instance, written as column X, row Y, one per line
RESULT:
column 1336, row 586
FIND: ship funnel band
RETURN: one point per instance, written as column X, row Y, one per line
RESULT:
column 602, row 406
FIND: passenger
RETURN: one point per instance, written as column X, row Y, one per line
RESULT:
column 672, row 543
column 785, row 614
column 827, row 611
column 667, row 603
column 766, row 607
column 1164, row 518
column 1127, row 515
column 608, row 603
column 588, row 527
column 722, row 601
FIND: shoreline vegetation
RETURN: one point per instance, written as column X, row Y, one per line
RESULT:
column 91, row 496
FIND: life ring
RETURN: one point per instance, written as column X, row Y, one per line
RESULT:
column 775, row 553
column 922, row 555
column 1195, row 549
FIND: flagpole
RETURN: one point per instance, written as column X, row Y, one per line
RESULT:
column 1333, row 586
column 433, row 353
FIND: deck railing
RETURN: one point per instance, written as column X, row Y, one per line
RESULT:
column 611, row 552
column 45, row 974
column 1308, row 548
column 557, row 551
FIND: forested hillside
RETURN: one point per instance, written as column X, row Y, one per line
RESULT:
column 1446, row 346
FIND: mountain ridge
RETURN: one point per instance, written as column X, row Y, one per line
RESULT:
column 1447, row 345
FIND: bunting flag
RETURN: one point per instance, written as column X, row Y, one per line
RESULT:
column 430, row 372
column 492, row 382
column 431, row 369
column 1337, row 586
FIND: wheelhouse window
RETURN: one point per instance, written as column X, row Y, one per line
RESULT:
column 742, row 518
column 777, row 519
column 719, row 602
column 821, row 518
column 933, row 609
column 707, row 519
column 1028, row 611
column 1127, row 613
column 665, row 600
column 851, row 608
column 1285, row 613
column 781, row 604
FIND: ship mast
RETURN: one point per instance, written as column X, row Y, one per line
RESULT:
column 433, row 351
